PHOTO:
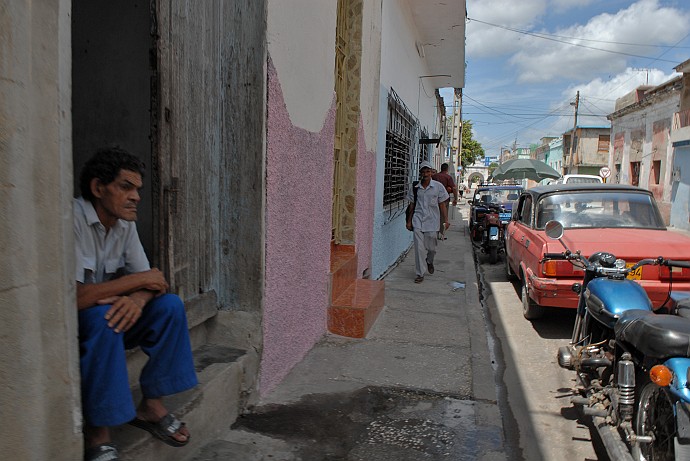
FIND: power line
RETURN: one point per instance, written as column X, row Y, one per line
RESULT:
column 544, row 35
column 499, row 141
column 570, row 43
column 539, row 115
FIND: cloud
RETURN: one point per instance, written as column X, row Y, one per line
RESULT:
column 483, row 40
column 519, row 87
column 561, row 6
column 598, row 96
column 537, row 59
column 602, row 94
column 645, row 22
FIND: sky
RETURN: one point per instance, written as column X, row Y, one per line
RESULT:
column 527, row 59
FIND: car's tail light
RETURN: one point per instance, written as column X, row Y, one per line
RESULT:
column 560, row 269
column 679, row 273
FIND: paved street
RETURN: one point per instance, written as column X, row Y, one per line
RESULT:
column 538, row 390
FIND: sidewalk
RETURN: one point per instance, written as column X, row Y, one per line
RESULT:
column 419, row 387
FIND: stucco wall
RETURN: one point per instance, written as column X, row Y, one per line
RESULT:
column 680, row 207
column 401, row 69
column 299, row 182
column 40, row 400
column 368, row 132
column 366, row 190
column 371, row 72
column 663, row 108
column 301, row 43
column 587, row 151
column 298, row 222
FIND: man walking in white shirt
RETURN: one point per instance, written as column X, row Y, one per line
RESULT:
column 430, row 208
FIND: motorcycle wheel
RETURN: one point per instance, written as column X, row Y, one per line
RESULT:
column 530, row 309
column 655, row 417
column 493, row 255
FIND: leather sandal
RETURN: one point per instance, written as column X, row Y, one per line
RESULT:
column 163, row 430
column 103, row 452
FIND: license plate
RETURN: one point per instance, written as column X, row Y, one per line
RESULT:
column 504, row 216
column 636, row 274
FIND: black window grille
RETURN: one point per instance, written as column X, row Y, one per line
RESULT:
column 401, row 148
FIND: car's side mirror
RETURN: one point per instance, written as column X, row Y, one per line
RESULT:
column 554, row 230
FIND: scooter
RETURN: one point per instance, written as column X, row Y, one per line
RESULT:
column 632, row 363
column 490, row 230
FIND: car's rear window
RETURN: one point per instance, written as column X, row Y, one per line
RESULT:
column 600, row 209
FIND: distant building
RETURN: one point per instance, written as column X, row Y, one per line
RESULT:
column 680, row 144
column 550, row 151
column 590, row 149
column 642, row 153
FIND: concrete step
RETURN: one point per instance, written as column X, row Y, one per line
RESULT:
column 343, row 269
column 208, row 410
column 354, row 312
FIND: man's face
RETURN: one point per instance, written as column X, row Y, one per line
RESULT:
column 119, row 199
column 426, row 172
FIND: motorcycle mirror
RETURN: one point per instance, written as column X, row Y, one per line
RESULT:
column 554, row 230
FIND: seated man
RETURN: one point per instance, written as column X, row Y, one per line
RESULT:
column 122, row 304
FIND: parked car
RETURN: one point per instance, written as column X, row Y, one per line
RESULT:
column 578, row 179
column 504, row 195
column 623, row 220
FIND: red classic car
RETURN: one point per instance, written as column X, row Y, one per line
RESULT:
column 622, row 220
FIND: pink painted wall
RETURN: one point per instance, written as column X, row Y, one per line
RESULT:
column 299, row 169
column 366, row 194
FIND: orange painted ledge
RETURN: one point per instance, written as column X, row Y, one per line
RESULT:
column 356, row 310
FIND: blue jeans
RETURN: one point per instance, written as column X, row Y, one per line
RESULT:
column 162, row 334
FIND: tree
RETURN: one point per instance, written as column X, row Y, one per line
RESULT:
column 492, row 167
column 471, row 149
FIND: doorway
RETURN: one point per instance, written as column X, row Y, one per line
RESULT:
column 113, row 89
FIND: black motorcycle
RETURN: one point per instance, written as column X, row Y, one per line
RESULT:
column 488, row 232
column 632, row 363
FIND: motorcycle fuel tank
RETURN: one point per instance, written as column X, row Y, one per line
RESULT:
column 607, row 299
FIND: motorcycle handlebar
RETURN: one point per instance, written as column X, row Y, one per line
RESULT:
column 671, row 263
column 645, row 262
column 556, row 256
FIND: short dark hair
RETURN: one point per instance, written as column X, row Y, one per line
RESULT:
column 444, row 167
column 105, row 165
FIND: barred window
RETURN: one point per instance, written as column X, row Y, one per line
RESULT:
column 401, row 139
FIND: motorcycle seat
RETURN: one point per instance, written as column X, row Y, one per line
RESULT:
column 681, row 302
column 657, row 336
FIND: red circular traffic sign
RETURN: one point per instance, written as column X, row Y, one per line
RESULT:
column 605, row 172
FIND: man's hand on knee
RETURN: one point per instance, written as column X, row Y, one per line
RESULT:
column 123, row 313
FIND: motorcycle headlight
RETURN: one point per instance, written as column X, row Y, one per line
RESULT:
column 620, row 263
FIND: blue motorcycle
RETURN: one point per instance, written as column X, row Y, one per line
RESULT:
column 632, row 363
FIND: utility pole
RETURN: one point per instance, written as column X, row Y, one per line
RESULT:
column 458, row 93
column 572, row 136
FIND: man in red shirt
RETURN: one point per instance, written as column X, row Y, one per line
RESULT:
column 449, row 183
